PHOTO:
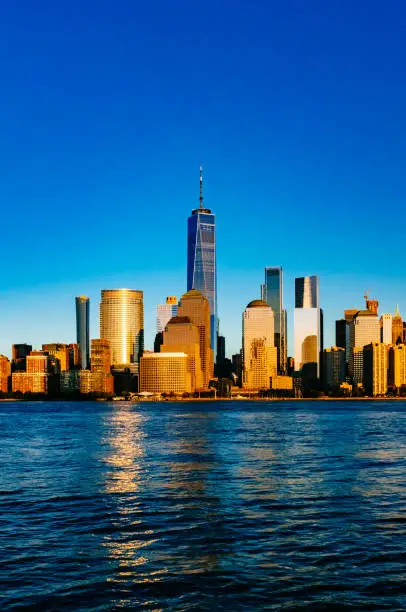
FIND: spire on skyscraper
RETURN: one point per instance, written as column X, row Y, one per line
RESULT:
column 201, row 187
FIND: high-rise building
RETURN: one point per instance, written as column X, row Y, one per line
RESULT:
column 122, row 324
column 5, row 373
column 221, row 349
column 82, row 329
column 74, row 356
column 164, row 373
column 182, row 336
column 61, row 352
column 372, row 305
column 272, row 292
column 201, row 259
column 386, row 328
column 397, row 365
column 397, row 327
column 100, row 356
column 19, row 354
column 308, row 328
column 333, row 366
column 196, row 306
column 341, row 326
column 375, row 368
column 165, row 312
column 40, row 362
column 100, row 383
column 363, row 329
column 30, row 382
column 260, row 355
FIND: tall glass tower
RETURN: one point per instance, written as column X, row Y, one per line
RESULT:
column 201, row 259
column 82, row 330
column 308, row 326
column 272, row 294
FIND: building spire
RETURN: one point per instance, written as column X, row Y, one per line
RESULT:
column 201, row 187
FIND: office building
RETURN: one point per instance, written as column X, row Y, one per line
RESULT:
column 260, row 355
column 19, row 355
column 196, row 306
column 30, row 382
column 165, row 312
column 272, row 291
column 99, row 383
column 40, row 362
column 182, row 336
column 69, row 381
column 201, row 259
column 333, row 367
column 82, row 329
column 74, row 356
column 372, row 305
column 386, row 328
column 364, row 328
column 397, row 365
column 397, row 328
column 122, row 324
column 375, row 375
column 308, row 328
column 5, row 373
column 164, row 373
column 61, row 352
column 100, row 356
column 341, row 326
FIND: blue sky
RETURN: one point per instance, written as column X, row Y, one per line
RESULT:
column 295, row 109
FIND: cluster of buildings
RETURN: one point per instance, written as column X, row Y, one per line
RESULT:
column 189, row 354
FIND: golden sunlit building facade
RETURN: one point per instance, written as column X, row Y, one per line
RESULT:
column 165, row 373
column 375, row 368
column 182, row 336
column 30, row 382
column 61, row 352
column 5, row 373
column 397, row 328
column 397, row 365
column 196, row 307
column 122, row 324
column 260, row 359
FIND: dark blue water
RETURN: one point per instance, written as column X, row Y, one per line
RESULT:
column 209, row 506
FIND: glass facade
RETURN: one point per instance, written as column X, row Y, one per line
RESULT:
column 122, row 324
column 82, row 330
column 308, row 326
column 272, row 294
column 201, row 262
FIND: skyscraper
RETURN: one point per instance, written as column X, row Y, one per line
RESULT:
column 196, row 307
column 397, row 327
column 375, row 368
column 201, row 259
column 82, row 330
column 122, row 324
column 272, row 292
column 386, row 328
column 182, row 336
column 308, row 330
column 259, row 352
column 164, row 313
column 364, row 328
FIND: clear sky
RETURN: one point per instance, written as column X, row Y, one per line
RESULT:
column 295, row 109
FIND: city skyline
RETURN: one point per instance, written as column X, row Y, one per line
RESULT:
column 285, row 156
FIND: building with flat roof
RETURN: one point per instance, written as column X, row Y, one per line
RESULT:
column 165, row 373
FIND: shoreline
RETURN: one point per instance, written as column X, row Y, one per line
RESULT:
column 212, row 399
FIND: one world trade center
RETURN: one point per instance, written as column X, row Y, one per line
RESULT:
column 201, row 259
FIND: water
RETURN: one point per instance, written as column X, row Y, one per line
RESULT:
column 203, row 506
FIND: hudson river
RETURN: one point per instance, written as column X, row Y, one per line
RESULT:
column 203, row 506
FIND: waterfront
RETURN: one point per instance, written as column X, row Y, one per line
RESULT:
column 203, row 506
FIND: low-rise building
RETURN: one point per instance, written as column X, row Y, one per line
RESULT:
column 165, row 373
